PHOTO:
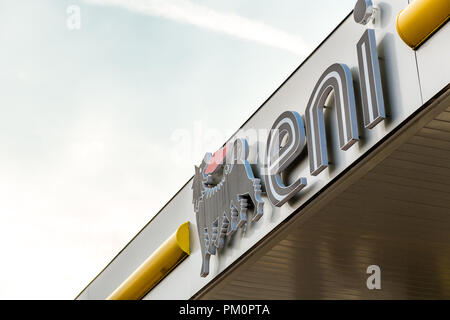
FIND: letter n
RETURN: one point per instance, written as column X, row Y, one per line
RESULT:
column 337, row 79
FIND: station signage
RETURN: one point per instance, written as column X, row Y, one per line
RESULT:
column 226, row 187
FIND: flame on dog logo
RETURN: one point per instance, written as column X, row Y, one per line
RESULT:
column 224, row 187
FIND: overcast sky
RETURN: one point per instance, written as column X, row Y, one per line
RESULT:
column 99, row 124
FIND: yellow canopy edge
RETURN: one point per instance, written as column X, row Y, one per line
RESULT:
column 158, row 265
column 420, row 19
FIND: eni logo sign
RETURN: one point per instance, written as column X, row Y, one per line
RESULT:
column 225, row 186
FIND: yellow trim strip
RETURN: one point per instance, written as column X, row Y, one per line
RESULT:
column 420, row 19
column 156, row 267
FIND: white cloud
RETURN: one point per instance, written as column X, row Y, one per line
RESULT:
column 185, row 11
